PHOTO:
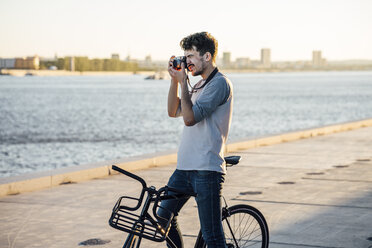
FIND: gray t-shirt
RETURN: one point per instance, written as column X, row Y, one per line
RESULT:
column 202, row 145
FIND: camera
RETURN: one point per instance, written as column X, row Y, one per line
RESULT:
column 177, row 61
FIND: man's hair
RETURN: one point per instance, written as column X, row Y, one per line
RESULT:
column 203, row 42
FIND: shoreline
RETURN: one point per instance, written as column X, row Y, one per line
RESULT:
column 74, row 174
column 26, row 72
column 21, row 73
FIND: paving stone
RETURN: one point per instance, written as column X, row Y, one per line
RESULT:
column 314, row 192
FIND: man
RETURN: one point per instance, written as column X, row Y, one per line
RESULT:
column 206, row 112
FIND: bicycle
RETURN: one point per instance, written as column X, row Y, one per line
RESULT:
column 243, row 225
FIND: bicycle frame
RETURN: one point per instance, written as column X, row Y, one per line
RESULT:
column 144, row 225
column 140, row 222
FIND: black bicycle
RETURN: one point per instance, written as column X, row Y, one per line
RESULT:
column 243, row 225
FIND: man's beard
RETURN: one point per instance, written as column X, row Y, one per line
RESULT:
column 199, row 72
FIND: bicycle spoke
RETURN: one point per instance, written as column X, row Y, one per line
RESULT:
column 253, row 231
column 254, row 240
column 243, row 229
column 254, row 243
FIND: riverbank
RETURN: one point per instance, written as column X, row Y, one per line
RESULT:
column 151, row 74
column 36, row 181
column 21, row 73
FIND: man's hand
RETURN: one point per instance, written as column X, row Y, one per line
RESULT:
column 185, row 101
column 177, row 76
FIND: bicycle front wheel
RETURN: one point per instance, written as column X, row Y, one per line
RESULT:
column 245, row 226
column 132, row 241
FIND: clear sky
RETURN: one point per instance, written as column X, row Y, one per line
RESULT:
column 341, row 29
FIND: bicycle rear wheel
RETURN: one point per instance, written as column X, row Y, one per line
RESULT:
column 244, row 226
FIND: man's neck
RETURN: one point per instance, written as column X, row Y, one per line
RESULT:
column 208, row 71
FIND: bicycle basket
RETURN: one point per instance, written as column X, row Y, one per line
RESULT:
column 146, row 226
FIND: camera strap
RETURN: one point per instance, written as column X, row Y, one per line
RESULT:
column 214, row 72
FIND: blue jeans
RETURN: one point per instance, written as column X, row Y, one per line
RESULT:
column 208, row 186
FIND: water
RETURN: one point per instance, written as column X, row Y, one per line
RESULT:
column 54, row 122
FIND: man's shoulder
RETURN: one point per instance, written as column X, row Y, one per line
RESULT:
column 221, row 80
column 221, row 75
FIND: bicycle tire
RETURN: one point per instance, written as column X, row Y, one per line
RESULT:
column 248, row 228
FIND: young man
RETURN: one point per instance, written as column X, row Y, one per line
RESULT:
column 206, row 111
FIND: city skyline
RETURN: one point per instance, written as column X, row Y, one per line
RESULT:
column 97, row 29
column 265, row 63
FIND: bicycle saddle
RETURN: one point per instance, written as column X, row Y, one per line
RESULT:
column 233, row 160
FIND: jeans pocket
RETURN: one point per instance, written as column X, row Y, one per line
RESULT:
column 204, row 173
column 213, row 178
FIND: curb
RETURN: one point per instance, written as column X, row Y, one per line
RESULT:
column 37, row 181
column 43, row 180
column 292, row 136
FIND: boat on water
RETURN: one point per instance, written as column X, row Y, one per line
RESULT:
column 160, row 75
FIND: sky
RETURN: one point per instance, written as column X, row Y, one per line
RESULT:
column 292, row 29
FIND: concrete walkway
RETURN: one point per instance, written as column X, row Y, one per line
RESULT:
column 313, row 192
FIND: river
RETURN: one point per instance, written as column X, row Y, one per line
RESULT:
column 54, row 122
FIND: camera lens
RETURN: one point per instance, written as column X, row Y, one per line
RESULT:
column 177, row 63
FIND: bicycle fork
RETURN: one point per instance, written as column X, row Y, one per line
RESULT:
column 225, row 215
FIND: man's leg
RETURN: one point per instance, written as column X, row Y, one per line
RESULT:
column 179, row 180
column 208, row 186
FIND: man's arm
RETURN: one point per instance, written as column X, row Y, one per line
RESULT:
column 215, row 93
column 186, row 104
column 173, row 99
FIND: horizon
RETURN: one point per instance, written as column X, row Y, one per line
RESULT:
column 164, row 59
column 96, row 29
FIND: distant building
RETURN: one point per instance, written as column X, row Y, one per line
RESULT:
column 159, row 64
column 318, row 60
column 147, row 63
column 27, row 63
column 226, row 59
column 7, row 63
column 256, row 64
column 148, row 59
column 115, row 56
column 32, row 63
column 72, row 64
column 266, row 57
column 242, row 63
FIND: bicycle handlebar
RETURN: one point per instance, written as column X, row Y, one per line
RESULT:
column 114, row 167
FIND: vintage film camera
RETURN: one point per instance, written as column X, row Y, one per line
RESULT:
column 177, row 61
